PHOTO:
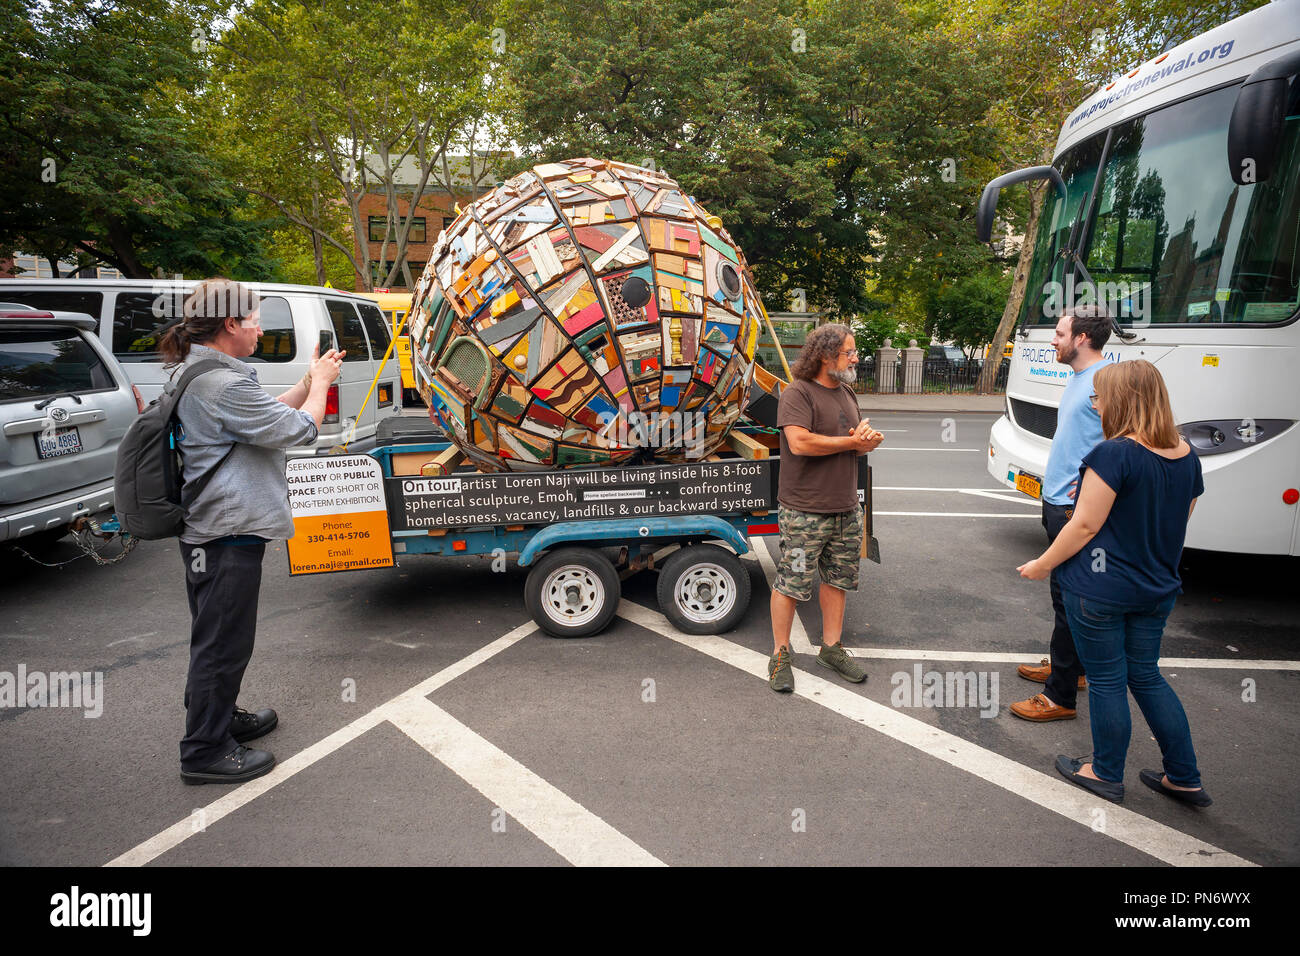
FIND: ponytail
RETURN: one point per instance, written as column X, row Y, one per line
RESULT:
column 204, row 315
column 175, row 344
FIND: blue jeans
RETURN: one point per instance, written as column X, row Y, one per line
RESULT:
column 1119, row 645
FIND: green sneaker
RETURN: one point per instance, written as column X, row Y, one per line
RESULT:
column 837, row 659
column 780, row 676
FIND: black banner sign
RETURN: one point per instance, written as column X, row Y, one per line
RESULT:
column 545, row 497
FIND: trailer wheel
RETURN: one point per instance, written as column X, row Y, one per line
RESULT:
column 703, row 589
column 572, row 592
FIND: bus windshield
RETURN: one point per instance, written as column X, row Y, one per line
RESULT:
column 1172, row 239
column 1078, row 167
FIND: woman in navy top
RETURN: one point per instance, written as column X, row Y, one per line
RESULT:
column 1119, row 558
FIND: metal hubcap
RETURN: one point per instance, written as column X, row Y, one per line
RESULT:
column 573, row 595
column 706, row 593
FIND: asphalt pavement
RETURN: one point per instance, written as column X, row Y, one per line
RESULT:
column 424, row 720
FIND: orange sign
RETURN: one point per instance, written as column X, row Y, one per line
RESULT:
column 340, row 515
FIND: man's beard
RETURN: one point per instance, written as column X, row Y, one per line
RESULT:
column 1067, row 354
column 848, row 376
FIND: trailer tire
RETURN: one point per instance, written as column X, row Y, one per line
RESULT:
column 703, row 589
column 572, row 592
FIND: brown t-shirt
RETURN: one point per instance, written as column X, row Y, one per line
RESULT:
column 821, row 484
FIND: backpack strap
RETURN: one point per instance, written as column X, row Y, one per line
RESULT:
column 182, row 383
column 190, row 374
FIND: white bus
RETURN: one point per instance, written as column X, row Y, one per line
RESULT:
column 1177, row 189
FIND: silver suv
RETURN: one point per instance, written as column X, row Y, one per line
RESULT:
column 65, row 404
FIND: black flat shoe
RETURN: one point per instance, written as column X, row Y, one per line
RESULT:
column 1155, row 780
column 245, row 726
column 235, row 767
column 1069, row 769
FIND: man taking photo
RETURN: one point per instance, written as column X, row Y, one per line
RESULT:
column 819, row 516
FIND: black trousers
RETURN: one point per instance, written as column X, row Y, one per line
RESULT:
column 1063, row 683
column 222, row 580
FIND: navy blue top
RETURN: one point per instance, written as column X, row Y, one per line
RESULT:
column 1142, row 539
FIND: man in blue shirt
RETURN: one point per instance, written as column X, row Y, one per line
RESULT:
column 1080, row 336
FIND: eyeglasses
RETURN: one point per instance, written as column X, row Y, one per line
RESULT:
column 1093, row 399
column 850, row 352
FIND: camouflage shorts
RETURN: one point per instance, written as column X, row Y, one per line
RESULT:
column 830, row 544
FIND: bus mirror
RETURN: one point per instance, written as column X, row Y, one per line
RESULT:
column 989, row 199
column 1255, row 129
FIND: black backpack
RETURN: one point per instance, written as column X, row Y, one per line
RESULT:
column 147, row 480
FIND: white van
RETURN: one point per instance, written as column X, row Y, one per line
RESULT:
column 132, row 314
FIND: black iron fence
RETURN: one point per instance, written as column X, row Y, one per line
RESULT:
column 926, row 375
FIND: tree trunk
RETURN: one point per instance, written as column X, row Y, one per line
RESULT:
column 318, row 257
column 989, row 374
column 317, row 247
column 119, row 240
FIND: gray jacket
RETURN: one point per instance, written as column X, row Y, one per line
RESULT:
column 227, row 409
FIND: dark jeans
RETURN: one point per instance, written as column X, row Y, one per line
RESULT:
column 1063, row 683
column 222, row 581
column 1120, row 644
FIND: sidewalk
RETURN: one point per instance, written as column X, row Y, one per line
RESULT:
column 932, row 402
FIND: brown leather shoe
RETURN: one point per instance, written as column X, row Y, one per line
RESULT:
column 1040, row 672
column 1040, row 708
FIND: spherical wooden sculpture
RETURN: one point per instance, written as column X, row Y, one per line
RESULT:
column 585, row 313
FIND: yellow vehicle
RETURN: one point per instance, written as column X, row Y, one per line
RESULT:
column 395, row 305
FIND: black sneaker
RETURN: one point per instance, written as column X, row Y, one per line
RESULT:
column 237, row 766
column 780, row 676
column 245, row 726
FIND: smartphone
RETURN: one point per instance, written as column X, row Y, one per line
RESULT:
column 326, row 342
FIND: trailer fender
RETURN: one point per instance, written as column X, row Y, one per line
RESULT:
column 593, row 532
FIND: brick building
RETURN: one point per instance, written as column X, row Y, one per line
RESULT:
column 435, row 210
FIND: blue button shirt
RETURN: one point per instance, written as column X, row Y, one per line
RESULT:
column 1133, row 558
column 1078, row 431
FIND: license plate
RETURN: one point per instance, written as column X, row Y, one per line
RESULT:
column 64, row 441
column 1029, row 485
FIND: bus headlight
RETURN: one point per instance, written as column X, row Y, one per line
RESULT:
column 1231, row 434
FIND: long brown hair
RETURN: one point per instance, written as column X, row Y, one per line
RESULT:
column 1134, row 401
column 823, row 342
column 204, row 314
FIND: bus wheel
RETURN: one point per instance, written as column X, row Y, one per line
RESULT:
column 572, row 592
column 703, row 589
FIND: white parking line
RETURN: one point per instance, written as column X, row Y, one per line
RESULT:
column 993, row 657
column 952, row 514
column 799, row 642
column 1155, row 839
column 559, row 821
column 910, row 488
column 1008, row 497
column 232, row 800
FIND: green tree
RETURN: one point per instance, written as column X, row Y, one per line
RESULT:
column 966, row 312
column 99, row 158
column 823, row 134
column 322, row 103
column 1077, row 46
